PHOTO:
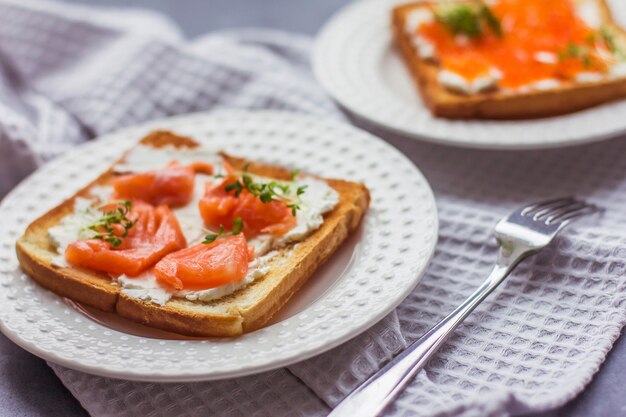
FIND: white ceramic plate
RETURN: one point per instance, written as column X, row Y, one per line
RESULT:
column 356, row 63
column 371, row 274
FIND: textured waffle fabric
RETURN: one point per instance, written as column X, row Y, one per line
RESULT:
column 70, row 73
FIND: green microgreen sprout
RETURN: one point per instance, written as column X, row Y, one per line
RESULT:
column 268, row 191
column 236, row 229
column 470, row 20
column 103, row 227
column 576, row 51
column 492, row 20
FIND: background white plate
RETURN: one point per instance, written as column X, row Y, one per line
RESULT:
column 356, row 63
column 371, row 274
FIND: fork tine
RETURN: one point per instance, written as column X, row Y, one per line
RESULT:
column 576, row 205
column 546, row 204
column 586, row 211
column 573, row 213
column 562, row 204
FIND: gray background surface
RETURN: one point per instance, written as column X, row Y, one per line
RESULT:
column 196, row 17
column 28, row 387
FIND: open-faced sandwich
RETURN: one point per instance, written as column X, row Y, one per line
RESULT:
column 507, row 59
column 190, row 240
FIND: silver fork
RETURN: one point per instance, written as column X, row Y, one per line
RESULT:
column 524, row 232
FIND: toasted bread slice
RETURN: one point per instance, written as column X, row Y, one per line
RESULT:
column 567, row 98
column 245, row 310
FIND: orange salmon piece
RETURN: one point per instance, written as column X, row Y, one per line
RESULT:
column 155, row 234
column 219, row 207
column 172, row 186
column 205, row 266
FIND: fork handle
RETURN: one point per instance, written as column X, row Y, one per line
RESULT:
column 371, row 398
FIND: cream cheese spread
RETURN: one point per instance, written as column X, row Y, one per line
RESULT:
column 102, row 193
column 144, row 158
column 589, row 77
column 540, row 85
column 72, row 228
column 319, row 198
column 456, row 82
column 619, row 70
column 545, row 84
column 417, row 17
column 546, row 57
column 589, row 12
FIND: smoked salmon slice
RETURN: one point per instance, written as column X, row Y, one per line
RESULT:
column 154, row 234
column 205, row 266
column 172, row 186
column 219, row 207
